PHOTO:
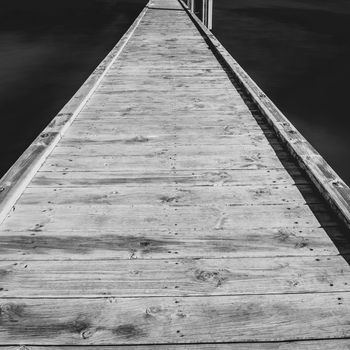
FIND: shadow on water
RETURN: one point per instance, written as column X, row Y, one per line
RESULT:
column 48, row 49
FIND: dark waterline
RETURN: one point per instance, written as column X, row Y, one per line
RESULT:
column 297, row 51
column 47, row 50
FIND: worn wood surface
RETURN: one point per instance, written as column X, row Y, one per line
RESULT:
column 40, row 244
column 176, row 277
column 174, row 195
column 108, row 217
column 173, row 178
column 168, row 215
column 175, row 319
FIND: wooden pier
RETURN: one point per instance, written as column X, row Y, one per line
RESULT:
column 170, row 205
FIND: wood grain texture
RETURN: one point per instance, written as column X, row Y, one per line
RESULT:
column 175, row 196
column 177, row 277
column 110, row 217
column 183, row 178
column 249, row 160
column 177, row 153
column 175, row 320
column 39, row 244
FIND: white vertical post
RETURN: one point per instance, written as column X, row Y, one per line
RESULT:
column 191, row 6
column 209, row 21
column 204, row 12
column 207, row 13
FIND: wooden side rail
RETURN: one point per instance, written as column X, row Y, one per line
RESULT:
column 330, row 185
column 13, row 183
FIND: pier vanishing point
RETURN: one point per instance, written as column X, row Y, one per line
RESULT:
column 171, row 205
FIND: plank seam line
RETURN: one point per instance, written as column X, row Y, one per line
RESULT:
column 174, row 258
column 247, row 342
column 140, row 230
column 184, row 258
column 295, row 203
column 164, row 173
column 180, row 169
column 335, row 191
column 144, row 296
column 46, row 187
column 14, row 182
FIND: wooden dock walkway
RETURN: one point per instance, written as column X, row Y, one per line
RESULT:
column 164, row 208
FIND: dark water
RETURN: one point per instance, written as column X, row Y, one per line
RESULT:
column 47, row 50
column 297, row 51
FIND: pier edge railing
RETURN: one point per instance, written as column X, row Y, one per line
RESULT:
column 16, row 179
column 328, row 182
column 207, row 11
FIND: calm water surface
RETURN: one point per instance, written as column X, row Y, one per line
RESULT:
column 297, row 51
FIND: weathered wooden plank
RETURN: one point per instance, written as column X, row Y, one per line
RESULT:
column 135, row 148
column 139, row 134
column 166, row 64
column 192, row 178
column 179, row 83
column 160, row 107
column 167, row 122
column 170, row 195
column 166, row 69
column 82, row 137
column 38, row 243
column 175, row 320
column 170, row 126
column 189, row 277
column 129, row 85
column 199, row 119
column 244, row 114
column 249, row 160
column 109, row 217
